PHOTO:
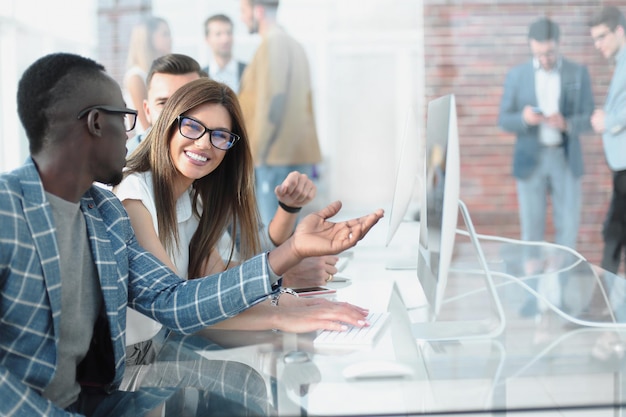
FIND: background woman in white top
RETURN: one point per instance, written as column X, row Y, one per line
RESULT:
column 149, row 40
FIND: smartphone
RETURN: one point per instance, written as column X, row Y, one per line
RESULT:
column 537, row 110
column 306, row 291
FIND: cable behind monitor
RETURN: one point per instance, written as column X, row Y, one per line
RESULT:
column 522, row 281
column 466, row 329
column 483, row 262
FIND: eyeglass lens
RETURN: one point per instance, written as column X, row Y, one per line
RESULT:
column 129, row 121
column 194, row 130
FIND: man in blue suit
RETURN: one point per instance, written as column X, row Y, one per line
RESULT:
column 547, row 102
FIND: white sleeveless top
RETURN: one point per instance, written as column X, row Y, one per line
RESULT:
column 138, row 186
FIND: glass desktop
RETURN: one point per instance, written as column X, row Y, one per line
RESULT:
column 543, row 363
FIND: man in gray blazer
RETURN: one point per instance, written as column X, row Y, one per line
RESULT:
column 608, row 31
column 547, row 102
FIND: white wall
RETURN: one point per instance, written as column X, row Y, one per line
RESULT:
column 30, row 29
column 366, row 59
column 367, row 65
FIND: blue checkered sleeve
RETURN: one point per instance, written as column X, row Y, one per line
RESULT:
column 27, row 354
column 188, row 306
column 154, row 290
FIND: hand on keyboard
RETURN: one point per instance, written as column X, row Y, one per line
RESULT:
column 354, row 336
column 307, row 314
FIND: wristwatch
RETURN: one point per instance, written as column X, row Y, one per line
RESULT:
column 283, row 290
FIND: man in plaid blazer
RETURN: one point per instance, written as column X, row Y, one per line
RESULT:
column 70, row 264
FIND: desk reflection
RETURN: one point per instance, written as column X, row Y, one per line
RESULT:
column 565, row 356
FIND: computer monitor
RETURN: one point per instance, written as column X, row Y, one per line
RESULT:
column 440, row 207
column 408, row 173
column 439, row 210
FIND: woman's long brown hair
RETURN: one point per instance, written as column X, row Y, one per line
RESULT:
column 226, row 195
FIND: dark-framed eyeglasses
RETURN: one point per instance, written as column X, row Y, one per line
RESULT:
column 194, row 130
column 130, row 115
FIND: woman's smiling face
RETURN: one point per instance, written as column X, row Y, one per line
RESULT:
column 195, row 159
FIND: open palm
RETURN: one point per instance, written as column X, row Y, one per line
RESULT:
column 316, row 235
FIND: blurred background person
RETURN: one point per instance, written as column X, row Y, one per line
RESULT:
column 167, row 74
column 218, row 34
column 149, row 39
column 546, row 103
column 277, row 105
column 608, row 31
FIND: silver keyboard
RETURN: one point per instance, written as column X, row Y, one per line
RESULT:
column 354, row 336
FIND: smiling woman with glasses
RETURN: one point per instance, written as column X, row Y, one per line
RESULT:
column 130, row 115
column 189, row 187
column 199, row 144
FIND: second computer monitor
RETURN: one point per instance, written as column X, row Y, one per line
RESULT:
column 440, row 201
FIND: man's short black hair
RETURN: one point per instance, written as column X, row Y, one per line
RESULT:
column 544, row 29
column 36, row 92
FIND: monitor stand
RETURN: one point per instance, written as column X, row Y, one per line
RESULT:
column 466, row 329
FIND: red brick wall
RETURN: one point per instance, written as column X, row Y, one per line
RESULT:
column 469, row 47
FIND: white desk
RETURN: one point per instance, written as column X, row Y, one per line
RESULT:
column 541, row 364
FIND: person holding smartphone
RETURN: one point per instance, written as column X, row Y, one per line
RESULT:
column 547, row 102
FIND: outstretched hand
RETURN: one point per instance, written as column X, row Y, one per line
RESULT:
column 317, row 236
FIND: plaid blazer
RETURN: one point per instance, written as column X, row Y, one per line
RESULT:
column 30, row 287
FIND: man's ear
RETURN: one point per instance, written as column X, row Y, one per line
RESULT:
column 94, row 122
column 146, row 110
